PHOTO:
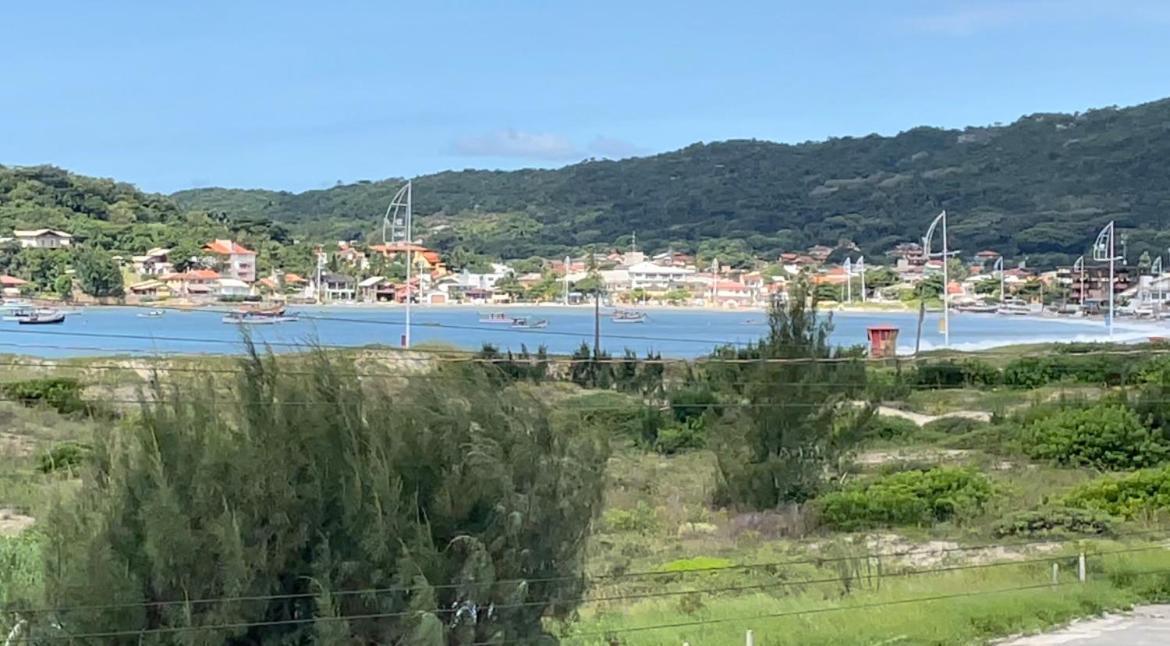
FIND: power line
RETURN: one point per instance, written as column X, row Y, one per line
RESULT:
column 593, row 580
column 389, row 615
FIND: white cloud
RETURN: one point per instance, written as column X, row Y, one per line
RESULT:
column 517, row 143
column 613, row 147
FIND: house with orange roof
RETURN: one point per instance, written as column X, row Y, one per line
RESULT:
column 195, row 282
column 423, row 259
column 236, row 260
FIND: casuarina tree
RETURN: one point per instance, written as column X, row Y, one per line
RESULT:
column 307, row 505
column 797, row 417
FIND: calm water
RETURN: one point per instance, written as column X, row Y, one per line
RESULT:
column 673, row 333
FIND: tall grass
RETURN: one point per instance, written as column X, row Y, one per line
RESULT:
column 972, row 606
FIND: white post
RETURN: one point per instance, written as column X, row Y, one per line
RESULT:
column 567, row 261
column 750, row 639
column 409, row 241
column 861, row 263
column 848, row 266
column 1081, row 567
column 946, row 287
column 1111, row 260
column 1055, row 573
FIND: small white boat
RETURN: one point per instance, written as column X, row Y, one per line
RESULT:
column 251, row 320
column 43, row 317
column 624, row 316
column 1013, row 307
column 978, row 308
column 523, row 323
column 152, row 314
column 19, row 314
column 496, row 318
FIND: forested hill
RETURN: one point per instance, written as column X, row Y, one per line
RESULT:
column 1040, row 186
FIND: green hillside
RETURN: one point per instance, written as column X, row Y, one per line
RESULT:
column 1040, row 187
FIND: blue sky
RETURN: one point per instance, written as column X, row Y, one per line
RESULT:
column 298, row 95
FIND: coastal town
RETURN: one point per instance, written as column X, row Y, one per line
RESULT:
column 226, row 270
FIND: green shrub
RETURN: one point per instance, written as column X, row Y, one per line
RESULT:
column 65, row 456
column 60, row 393
column 889, row 427
column 1106, row 436
column 955, row 374
column 907, row 498
column 614, row 413
column 692, row 402
column 1100, row 369
column 1139, row 494
column 691, row 434
column 953, row 425
column 1058, row 519
column 640, row 519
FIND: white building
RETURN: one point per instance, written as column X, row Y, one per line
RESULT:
column 237, row 260
column 43, row 238
column 232, row 288
column 653, row 277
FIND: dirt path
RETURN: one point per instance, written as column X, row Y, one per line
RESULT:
column 1143, row 626
column 923, row 419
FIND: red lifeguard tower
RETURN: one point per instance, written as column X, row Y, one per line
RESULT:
column 883, row 341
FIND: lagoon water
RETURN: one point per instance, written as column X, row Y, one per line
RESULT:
column 673, row 333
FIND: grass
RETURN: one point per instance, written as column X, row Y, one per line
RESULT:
column 978, row 605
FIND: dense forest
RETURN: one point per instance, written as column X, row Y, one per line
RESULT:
column 1041, row 187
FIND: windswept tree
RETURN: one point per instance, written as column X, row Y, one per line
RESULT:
column 313, row 506
column 798, row 418
column 97, row 273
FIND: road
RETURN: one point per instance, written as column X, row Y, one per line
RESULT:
column 1144, row 626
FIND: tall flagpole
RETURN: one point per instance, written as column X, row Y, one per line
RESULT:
column 1104, row 250
column 946, row 299
column 398, row 221
column 848, row 266
column 861, row 270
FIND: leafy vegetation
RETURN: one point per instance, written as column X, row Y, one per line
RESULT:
column 1140, row 494
column 907, row 498
column 779, row 447
column 60, row 393
column 1041, row 186
column 1054, row 520
column 1106, row 436
column 471, row 499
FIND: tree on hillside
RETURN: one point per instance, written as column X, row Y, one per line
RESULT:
column 97, row 273
column 800, row 420
column 468, row 504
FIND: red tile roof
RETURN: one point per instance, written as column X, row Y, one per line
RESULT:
column 12, row 281
column 194, row 274
column 227, row 247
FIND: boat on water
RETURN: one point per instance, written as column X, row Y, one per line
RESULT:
column 1014, row 307
column 496, row 318
column 152, row 314
column 977, row 308
column 524, row 324
column 43, row 317
column 236, row 319
column 19, row 314
column 276, row 311
column 626, row 316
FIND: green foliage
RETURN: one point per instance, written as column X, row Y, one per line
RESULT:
column 1102, row 369
column 907, row 498
column 954, row 374
column 692, row 402
column 696, row 564
column 1139, row 494
column 66, row 456
column 523, row 366
column 21, row 574
column 1054, row 520
column 952, row 425
column 888, row 427
column 691, row 434
column 97, row 273
column 780, row 447
column 1041, row 186
column 62, row 394
column 471, row 496
column 641, row 519
column 1105, row 436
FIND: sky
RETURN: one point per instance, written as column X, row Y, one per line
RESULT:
column 296, row 95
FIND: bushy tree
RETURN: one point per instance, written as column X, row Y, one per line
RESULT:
column 97, row 273
column 797, row 420
column 461, row 509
